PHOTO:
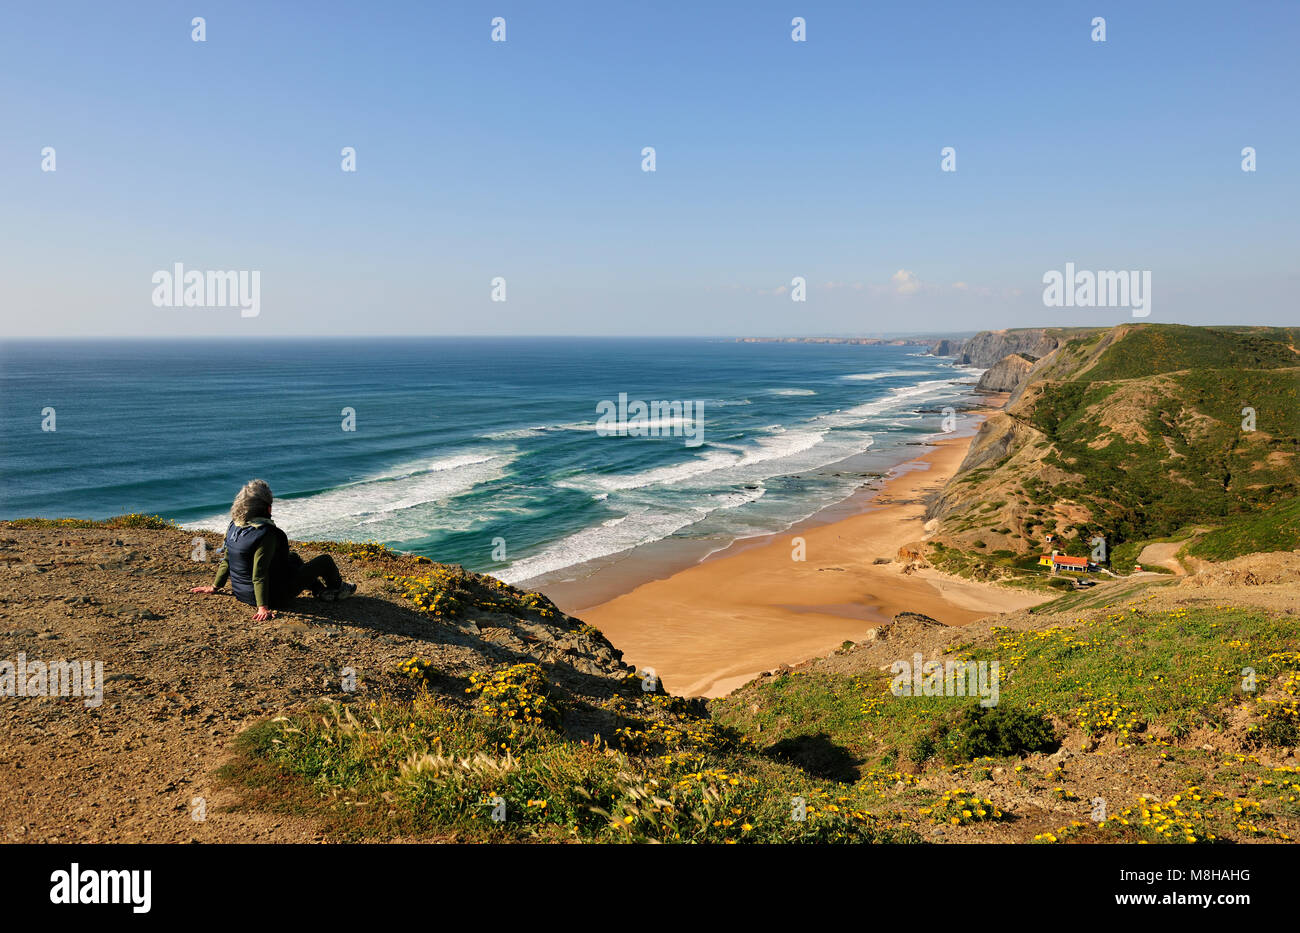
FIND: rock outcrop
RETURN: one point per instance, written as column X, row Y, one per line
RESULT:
column 1007, row 373
column 989, row 346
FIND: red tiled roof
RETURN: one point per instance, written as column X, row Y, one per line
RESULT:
column 1071, row 561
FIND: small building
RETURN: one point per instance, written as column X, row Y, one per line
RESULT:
column 1065, row 562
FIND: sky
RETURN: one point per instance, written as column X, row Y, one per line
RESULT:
column 522, row 161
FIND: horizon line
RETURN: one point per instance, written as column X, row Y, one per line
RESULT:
column 878, row 335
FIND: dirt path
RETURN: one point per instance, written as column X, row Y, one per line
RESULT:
column 1163, row 555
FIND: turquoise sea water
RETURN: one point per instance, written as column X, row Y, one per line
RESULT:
column 462, row 448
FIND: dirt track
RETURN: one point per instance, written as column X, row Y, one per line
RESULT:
column 1163, row 555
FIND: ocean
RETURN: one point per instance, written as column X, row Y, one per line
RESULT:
column 484, row 452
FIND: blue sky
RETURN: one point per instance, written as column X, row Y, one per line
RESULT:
column 522, row 159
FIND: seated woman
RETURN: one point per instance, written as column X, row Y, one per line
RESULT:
column 263, row 572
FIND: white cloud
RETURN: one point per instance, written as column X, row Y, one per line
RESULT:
column 905, row 283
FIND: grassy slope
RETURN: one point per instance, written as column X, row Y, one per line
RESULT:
column 1275, row 528
column 1141, row 429
column 1129, row 689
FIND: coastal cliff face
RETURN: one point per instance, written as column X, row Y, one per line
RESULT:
column 1006, row 374
column 998, row 438
column 989, row 346
column 1133, row 434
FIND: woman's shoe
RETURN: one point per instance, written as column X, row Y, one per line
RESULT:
column 343, row 592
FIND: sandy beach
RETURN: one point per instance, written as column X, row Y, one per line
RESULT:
column 710, row 628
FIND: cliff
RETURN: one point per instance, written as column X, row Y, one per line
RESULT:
column 1006, row 374
column 989, row 346
column 185, row 674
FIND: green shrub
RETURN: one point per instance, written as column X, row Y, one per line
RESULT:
column 922, row 749
column 996, row 732
column 1278, row 729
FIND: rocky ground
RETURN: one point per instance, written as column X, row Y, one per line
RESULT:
column 186, row 673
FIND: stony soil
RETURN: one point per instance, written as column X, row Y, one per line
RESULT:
column 186, row 673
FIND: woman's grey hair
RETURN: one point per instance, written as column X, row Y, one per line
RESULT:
column 253, row 501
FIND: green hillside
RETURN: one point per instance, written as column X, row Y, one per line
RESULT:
column 1139, row 433
column 1189, row 460
column 1274, row 528
column 1161, row 348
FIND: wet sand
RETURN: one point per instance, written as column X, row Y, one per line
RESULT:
column 710, row 628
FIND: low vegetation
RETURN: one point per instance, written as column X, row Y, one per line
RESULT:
column 1138, row 434
column 134, row 520
column 501, row 770
column 1149, row 686
column 829, row 757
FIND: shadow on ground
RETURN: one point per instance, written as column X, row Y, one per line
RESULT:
column 818, row 756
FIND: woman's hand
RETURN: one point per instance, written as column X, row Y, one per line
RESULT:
column 262, row 614
column 203, row 589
